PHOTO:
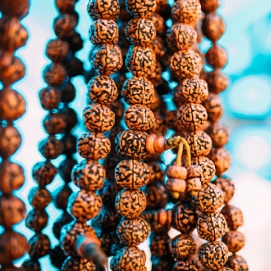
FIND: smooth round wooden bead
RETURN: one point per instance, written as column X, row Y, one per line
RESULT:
column 219, row 134
column 138, row 90
column 157, row 196
column 50, row 98
column 233, row 216
column 140, row 61
column 236, row 263
column 78, row 264
column 186, row 64
column 50, row 147
column 140, row 8
column 84, row 205
column 54, row 123
column 158, row 22
column 54, row 74
column 200, row 143
column 217, row 81
column 99, row 9
column 18, row 9
column 94, row 146
column 192, row 116
column 39, row 198
column 181, row 37
column 227, row 186
column 130, row 203
column 209, row 5
column 36, row 220
column 213, row 107
column 132, row 174
column 221, row 159
column 176, row 185
column 57, row 50
column 234, row 240
column 132, row 232
column 104, row 31
column 102, row 89
column 213, row 255
column 64, row 25
column 217, row 56
column 39, row 246
column 208, row 168
column 44, row 173
column 106, row 59
column 140, row 31
column 128, row 259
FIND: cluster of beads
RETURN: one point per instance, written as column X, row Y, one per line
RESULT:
column 78, row 239
column 13, row 35
column 213, row 27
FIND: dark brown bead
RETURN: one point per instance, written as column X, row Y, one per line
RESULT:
column 19, row 8
column 61, row 196
column 99, row 9
column 50, row 97
column 102, row 89
column 54, row 74
column 39, row 198
column 130, row 203
column 68, row 93
column 64, row 219
column 74, row 66
column 39, row 246
column 221, row 159
column 159, row 23
column 156, row 76
column 12, row 177
column 140, row 8
column 98, row 118
column 57, row 256
column 217, row 81
column 43, row 173
column 200, row 143
column 227, row 186
column 31, row 265
column 186, row 266
column 209, row 5
column 70, row 117
column 64, row 25
column 219, row 134
column 233, row 216
column 78, row 264
column 50, row 147
column 157, row 196
column 213, row 107
column 54, row 123
column 158, row 46
column 159, row 244
column 217, row 56
column 75, row 41
column 159, row 128
column 69, row 144
column 57, row 50
column 140, row 61
column 65, row 168
column 211, row 226
column 65, row 6
column 94, row 146
column 36, row 220
column 237, row 263
column 213, row 255
column 132, row 144
column 225, row 269
column 234, row 240
column 106, row 59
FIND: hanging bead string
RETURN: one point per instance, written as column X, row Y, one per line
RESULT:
column 13, row 35
column 213, row 28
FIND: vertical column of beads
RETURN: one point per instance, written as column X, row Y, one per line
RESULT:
column 13, row 35
column 133, row 174
column 89, row 174
column 213, row 28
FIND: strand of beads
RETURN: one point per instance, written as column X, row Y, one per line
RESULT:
column 78, row 239
column 13, row 35
column 213, row 28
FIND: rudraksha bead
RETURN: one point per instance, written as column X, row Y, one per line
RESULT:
column 213, row 255
column 200, row 143
column 36, row 220
column 140, row 8
column 236, row 263
column 68, row 93
column 50, row 97
column 104, row 32
column 40, row 246
column 133, row 232
column 54, row 74
column 158, row 46
column 50, row 147
column 129, row 259
column 233, row 216
column 94, row 146
column 102, row 89
column 61, row 196
column 181, row 37
column 140, row 61
column 31, row 265
column 182, row 247
column 99, row 9
column 184, row 217
column 65, row 6
column 106, row 59
column 210, row 198
column 186, row 64
column 157, row 196
column 208, row 168
column 225, row 269
column 234, row 240
column 227, row 186
column 69, row 144
column 54, row 123
column 159, row 244
column 211, row 226
column 219, row 134
column 84, row 205
column 221, row 159
column 78, row 264
column 139, row 117
column 217, row 56
column 10, row 141
column 189, row 265
column 64, row 219
column 156, row 76
column 39, row 198
column 192, row 116
column 57, row 50
column 217, row 81
column 209, row 5
column 213, row 107
column 65, row 168
column 159, row 23
column 64, row 25
column 138, row 90
column 186, row 11
column 130, row 203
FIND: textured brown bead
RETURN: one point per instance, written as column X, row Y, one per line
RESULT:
column 181, row 37
column 159, row 244
column 60, row 197
column 138, row 90
column 209, row 5
column 12, row 177
column 84, row 205
column 158, row 46
column 186, row 64
column 140, row 8
column 233, row 216
column 68, row 93
column 213, row 255
column 50, row 147
column 140, row 61
column 102, row 89
column 69, row 144
column 43, row 173
column 50, row 97
column 219, row 134
column 200, row 143
column 159, row 128
column 213, row 26
column 133, row 232
column 210, row 198
column 158, row 22
column 217, row 81
column 182, row 247
column 54, row 74
column 65, row 168
column 227, row 186
column 236, row 263
column 106, row 59
column 186, row 11
column 36, row 220
column 54, row 123
column 100, row 9
column 213, row 107
column 157, row 196
column 217, row 56
column 156, row 76
column 130, row 203
column 17, row 9
column 129, row 259
column 39, row 198
column 132, row 144
column 221, row 159
column 192, row 116
column 234, row 240
column 39, row 246
column 64, row 25
column 57, row 50
column 140, row 31
column 104, row 31
column 78, row 264
column 94, row 146
column 186, row 266
column 64, row 219
column 208, row 168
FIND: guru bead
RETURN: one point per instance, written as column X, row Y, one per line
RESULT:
column 234, row 240
column 140, row 8
column 227, row 186
column 217, row 56
column 233, row 216
column 221, row 159
column 213, row 255
column 100, row 9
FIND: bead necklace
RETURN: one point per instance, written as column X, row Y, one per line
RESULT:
column 13, row 35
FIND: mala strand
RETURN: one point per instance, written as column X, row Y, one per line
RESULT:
column 13, row 35
column 78, row 239
column 213, row 27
